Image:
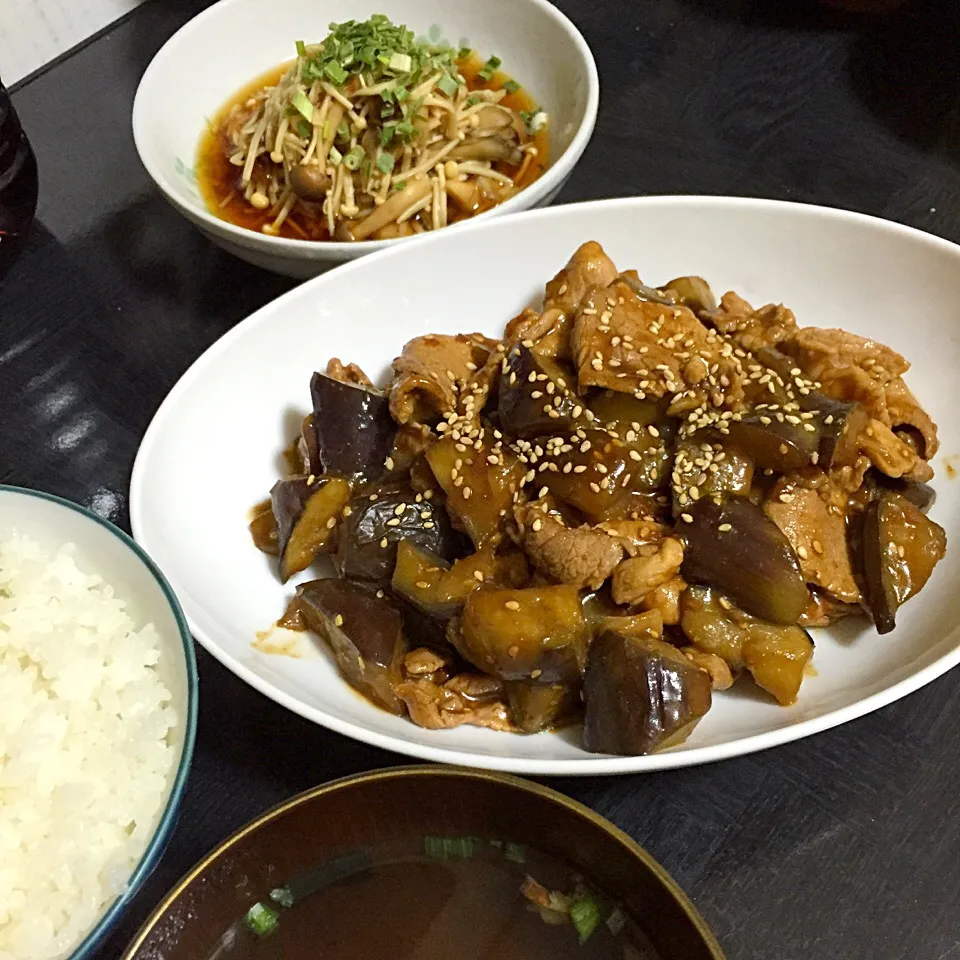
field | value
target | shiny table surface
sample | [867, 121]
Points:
[843, 845]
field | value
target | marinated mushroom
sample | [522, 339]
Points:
[309, 182]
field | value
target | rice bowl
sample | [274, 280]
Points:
[97, 728]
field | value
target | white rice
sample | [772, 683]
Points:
[84, 752]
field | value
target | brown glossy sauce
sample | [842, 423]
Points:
[221, 189]
[414, 907]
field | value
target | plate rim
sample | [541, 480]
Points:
[589, 765]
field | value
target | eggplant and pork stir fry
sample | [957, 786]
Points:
[633, 498]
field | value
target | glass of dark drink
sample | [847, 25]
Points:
[18, 183]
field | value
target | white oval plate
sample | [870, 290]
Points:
[212, 449]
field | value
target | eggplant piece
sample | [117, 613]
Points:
[538, 633]
[839, 423]
[307, 449]
[420, 629]
[921, 495]
[646, 624]
[263, 529]
[621, 412]
[777, 660]
[773, 442]
[734, 546]
[479, 493]
[900, 547]
[711, 623]
[605, 471]
[775, 654]
[353, 427]
[436, 587]
[536, 706]
[643, 292]
[307, 514]
[641, 694]
[535, 396]
[376, 522]
[364, 632]
[714, 468]
[598, 605]
[692, 292]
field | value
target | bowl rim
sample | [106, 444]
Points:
[290, 247]
[506, 780]
[587, 765]
[155, 848]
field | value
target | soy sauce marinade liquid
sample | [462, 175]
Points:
[18, 183]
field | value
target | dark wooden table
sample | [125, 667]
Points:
[842, 846]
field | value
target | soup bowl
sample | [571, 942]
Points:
[374, 809]
[233, 42]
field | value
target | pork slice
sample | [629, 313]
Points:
[816, 527]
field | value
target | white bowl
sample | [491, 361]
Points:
[213, 448]
[224, 48]
[104, 549]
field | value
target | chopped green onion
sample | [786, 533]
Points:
[449, 848]
[335, 72]
[303, 105]
[343, 130]
[462, 847]
[400, 185]
[354, 158]
[301, 49]
[433, 847]
[446, 84]
[283, 896]
[585, 914]
[515, 852]
[262, 920]
[511, 86]
[405, 129]
[335, 156]
[385, 162]
[401, 62]
[472, 101]
[400, 94]
[386, 133]
[529, 118]
[304, 129]
[487, 71]
[464, 52]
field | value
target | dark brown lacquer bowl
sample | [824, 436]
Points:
[338, 818]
